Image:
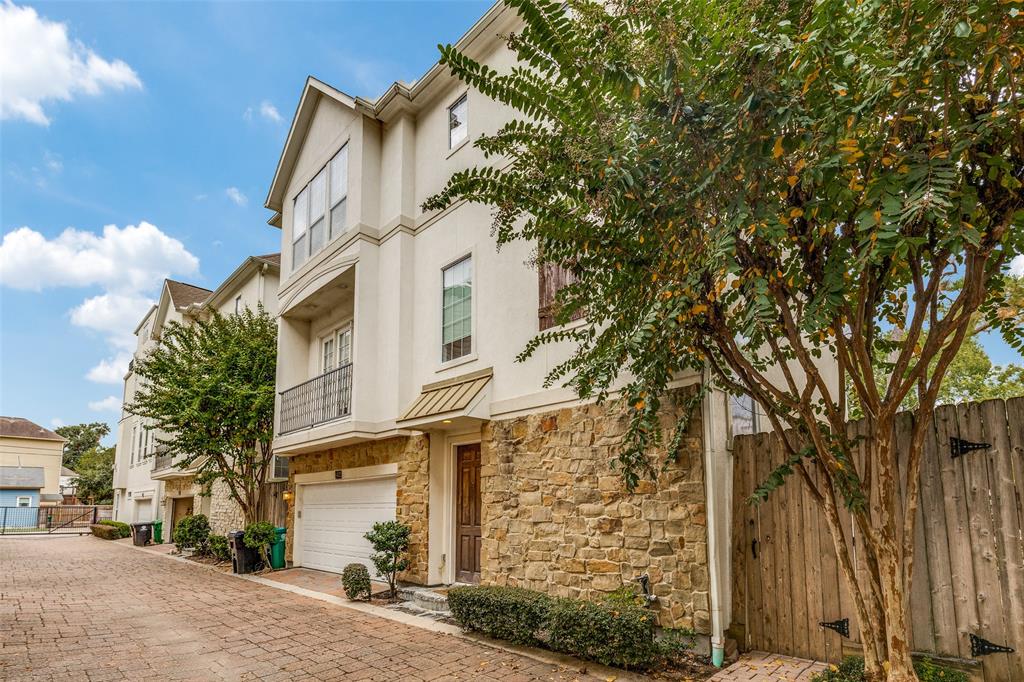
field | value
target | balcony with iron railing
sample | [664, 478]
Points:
[319, 400]
[165, 466]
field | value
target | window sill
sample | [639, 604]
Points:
[464, 360]
[456, 148]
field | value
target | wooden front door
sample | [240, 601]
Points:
[182, 508]
[467, 514]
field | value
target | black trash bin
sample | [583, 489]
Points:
[141, 533]
[243, 559]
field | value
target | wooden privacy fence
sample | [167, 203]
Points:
[969, 562]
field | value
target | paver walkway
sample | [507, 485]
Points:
[758, 666]
[88, 609]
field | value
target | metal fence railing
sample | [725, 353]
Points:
[319, 400]
[61, 519]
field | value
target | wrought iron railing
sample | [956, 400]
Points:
[163, 461]
[319, 400]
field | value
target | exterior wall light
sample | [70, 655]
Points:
[287, 495]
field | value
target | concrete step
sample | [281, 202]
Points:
[424, 598]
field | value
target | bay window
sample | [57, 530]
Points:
[319, 209]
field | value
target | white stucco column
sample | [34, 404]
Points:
[718, 491]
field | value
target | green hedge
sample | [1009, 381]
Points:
[618, 633]
[510, 613]
[611, 635]
[105, 531]
[851, 669]
[123, 529]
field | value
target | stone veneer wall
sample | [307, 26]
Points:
[413, 457]
[224, 514]
[556, 517]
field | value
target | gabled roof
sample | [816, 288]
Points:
[183, 295]
[64, 471]
[242, 273]
[19, 427]
[397, 97]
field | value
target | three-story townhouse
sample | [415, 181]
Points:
[400, 394]
[148, 482]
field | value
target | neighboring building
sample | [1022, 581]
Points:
[30, 464]
[147, 484]
[69, 485]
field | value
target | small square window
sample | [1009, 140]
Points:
[24, 501]
[743, 411]
[458, 125]
[280, 467]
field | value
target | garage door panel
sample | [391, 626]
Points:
[336, 517]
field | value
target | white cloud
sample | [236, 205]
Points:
[128, 264]
[130, 259]
[236, 196]
[1017, 266]
[110, 370]
[108, 404]
[270, 112]
[40, 63]
[57, 422]
[266, 109]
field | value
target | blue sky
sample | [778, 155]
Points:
[169, 118]
[138, 140]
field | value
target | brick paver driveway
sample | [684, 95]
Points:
[87, 609]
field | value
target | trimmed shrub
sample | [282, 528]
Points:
[356, 581]
[851, 669]
[105, 531]
[510, 613]
[219, 548]
[390, 540]
[612, 635]
[123, 529]
[193, 532]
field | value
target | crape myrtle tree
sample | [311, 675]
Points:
[757, 189]
[208, 390]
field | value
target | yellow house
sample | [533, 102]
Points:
[30, 464]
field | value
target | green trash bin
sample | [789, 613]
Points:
[277, 548]
[158, 532]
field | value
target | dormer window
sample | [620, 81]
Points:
[319, 209]
[458, 125]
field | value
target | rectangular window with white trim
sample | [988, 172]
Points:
[24, 502]
[280, 469]
[458, 123]
[336, 348]
[457, 310]
[318, 211]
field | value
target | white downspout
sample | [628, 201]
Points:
[718, 494]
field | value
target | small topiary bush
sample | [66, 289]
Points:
[851, 669]
[510, 613]
[105, 531]
[390, 540]
[621, 635]
[356, 581]
[123, 529]
[193, 532]
[219, 548]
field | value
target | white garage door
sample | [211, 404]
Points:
[143, 510]
[335, 516]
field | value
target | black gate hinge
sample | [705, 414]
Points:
[958, 447]
[983, 647]
[841, 626]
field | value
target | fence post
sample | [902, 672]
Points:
[95, 515]
[3, 528]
